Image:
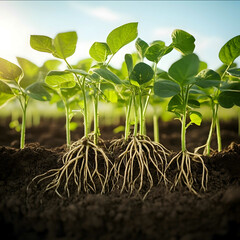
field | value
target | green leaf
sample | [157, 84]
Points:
[10, 71]
[107, 75]
[175, 104]
[59, 79]
[99, 51]
[65, 44]
[141, 47]
[208, 78]
[70, 92]
[234, 72]
[129, 63]
[156, 51]
[183, 41]
[196, 118]
[38, 91]
[84, 64]
[121, 36]
[166, 88]
[141, 73]
[30, 72]
[230, 51]
[50, 65]
[202, 66]
[230, 96]
[184, 70]
[5, 93]
[42, 43]
[111, 95]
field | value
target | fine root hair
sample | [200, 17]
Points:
[86, 168]
[185, 175]
[139, 162]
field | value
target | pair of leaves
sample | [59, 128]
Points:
[116, 39]
[62, 46]
[140, 73]
[181, 41]
[182, 72]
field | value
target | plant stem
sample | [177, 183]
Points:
[68, 134]
[127, 122]
[141, 127]
[96, 118]
[155, 127]
[212, 128]
[136, 116]
[219, 141]
[85, 109]
[23, 126]
[184, 116]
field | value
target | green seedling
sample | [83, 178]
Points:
[23, 85]
[81, 161]
[182, 103]
[139, 158]
[220, 88]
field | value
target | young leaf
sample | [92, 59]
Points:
[38, 91]
[42, 43]
[208, 78]
[230, 96]
[30, 72]
[202, 66]
[166, 88]
[230, 51]
[175, 104]
[183, 41]
[141, 47]
[99, 51]
[121, 36]
[65, 44]
[5, 93]
[129, 63]
[184, 70]
[141, 73]
[234, 72]
[10, 71]
[107, 75]
[84, 64]
[156, 51]
[196, 118]
[59, 79]
[51, 65]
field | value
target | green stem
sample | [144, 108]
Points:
[23, 126]
[127, 122]
[136, 116]
[142, 122]
[68, 134]
[156, 127]
[82, 86]
[96, 118]
[184, 117]
[85, 115]
[219, 141]
[212, 128]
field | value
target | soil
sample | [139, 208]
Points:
[164, 214]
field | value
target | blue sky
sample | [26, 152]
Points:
[212, 23]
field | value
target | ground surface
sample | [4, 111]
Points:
[163, 215]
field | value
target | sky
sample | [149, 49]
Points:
[212, 23]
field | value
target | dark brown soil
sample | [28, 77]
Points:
[164, 215]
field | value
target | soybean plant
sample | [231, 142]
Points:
[182, 103]
[22, 83]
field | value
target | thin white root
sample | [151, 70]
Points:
[184, 174]
[80, 169]
[138, 162]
